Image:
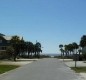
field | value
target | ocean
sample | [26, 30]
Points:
[51, 54]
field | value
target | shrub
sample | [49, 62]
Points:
[9, 52]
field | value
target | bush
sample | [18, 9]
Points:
[3, 55]
[84, 56]
[9, 52]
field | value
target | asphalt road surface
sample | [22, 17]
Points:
[44, 69]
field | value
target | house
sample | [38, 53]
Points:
[4, 42]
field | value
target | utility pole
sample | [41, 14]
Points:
[75, 59]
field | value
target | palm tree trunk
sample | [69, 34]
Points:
[79, 55]
[28, 54]
[35, 54]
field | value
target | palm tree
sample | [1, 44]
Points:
[15, 41]
[66, 50]
[75, 47]
[70, 48]
[30, 48]
[61, 48]
[37, 49]
[79, 50]
[23, 47]
[83, 41]
[83, 45]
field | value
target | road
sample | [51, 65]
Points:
[44, 69]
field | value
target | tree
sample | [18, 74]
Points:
[30, 48]
[75, 47]
[37, 49]
[83, 41]
[61, 48]
[15, 42]
[23, 46]
[15, 39]
[83, 45]
[66, 49]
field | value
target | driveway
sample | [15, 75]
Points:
[44, 69]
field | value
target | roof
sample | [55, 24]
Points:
[10, 37]
[7, 37]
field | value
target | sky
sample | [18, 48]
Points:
[50, 22]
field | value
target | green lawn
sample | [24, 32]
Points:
[5, 68]
[79, 69]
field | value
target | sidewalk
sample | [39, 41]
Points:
[19, 62]
[71, 63]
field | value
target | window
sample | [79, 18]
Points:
[0, 48]
[0, 41]
[3, 48]
[8, 41]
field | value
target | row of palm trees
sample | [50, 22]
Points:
[21, 47]
[68, 49]
[73, 48]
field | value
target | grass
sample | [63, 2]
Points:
[5, 68]
[79, 69]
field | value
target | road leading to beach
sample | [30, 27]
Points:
[44, 69]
